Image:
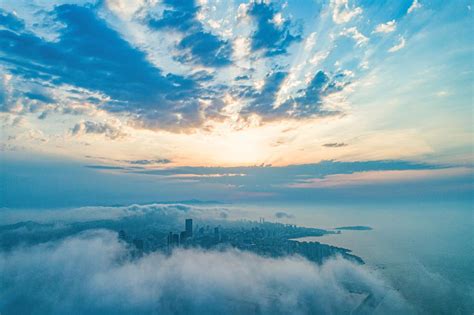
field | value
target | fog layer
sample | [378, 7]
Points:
[92, 272]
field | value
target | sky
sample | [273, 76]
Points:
[122, 101]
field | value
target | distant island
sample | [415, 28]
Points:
[355, 228]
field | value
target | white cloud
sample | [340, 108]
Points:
[126, 9]
[342, 12]
[242, 11]
[310, 41]
[92, 272]
[318, 57]
[415, 5]
[442, 93]
[352, 32]
[364, 64]
[398, 46]
[388, 27]
[241, 47]
[278, 19]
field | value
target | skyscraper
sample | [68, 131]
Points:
[189, 227]
[217, 235]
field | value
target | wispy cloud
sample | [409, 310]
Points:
[415, 5]
[388, 27]
[398, 46]
[343, 12]
[380, 177]
[335, 145]
[354, 33]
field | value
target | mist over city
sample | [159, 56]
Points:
[236, 157]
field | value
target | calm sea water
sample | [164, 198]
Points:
[426, 251]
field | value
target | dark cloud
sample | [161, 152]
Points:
[106, 167]
[10, 21]
[335, 144]
[262, 101]
[268, 37]
[269, 178]
[241, 78]
[94, 59]
[90, 55]
[92, 127]
[133, 162]
[206, 49]
[198, 45]
[40, 97]
[283, 215]
[305, 103]
[148, 162]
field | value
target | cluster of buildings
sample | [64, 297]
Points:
[175, 239]
[263, 238]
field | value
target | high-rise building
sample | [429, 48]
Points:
[189, 227]
[138, 244]
[183, 236]
[217, 235]
[122, 235]
[170, 239]
[175, 240]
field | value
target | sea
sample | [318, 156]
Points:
[423, 250]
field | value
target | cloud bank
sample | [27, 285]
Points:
[93, 273]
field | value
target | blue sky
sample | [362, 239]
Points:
[170, 100]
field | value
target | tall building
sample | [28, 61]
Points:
[170, 239]
[183, 236]
[189, 227]
[217, 235]
[175, 240]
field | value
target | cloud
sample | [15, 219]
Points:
[123, 77]
[398, 46]
[335, 145]
[283, 215]
[306, 102]
[79, 58]
[10, 21]
[273, 34]
[380, 177]
[30, 227]
[92, 127]
[5, 91]
[141, 162]
[357, 36]
[342, 12]
[93, 273]
[197, 45]
[40, 97]
[148, 162]
[415, 5]
[388, 27]
[255, 178]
